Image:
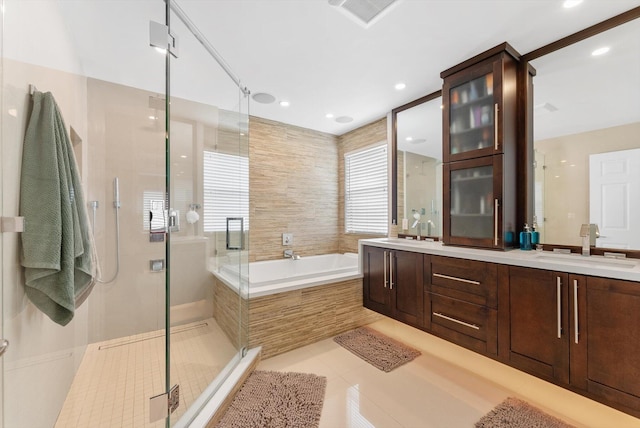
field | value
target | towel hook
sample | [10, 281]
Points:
[32, 89]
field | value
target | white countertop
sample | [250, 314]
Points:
[627, 269]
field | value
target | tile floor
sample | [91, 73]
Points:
[447, 386]
[116, 377]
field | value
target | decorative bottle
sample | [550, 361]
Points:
[535, 235]
[525, 238]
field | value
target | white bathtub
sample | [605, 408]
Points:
[276, 276]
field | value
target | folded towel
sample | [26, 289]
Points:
[58, 253]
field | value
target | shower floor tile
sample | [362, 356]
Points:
[116, 378]
[447, 386]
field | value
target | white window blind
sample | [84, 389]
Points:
[366, 191]
[226, 191]
[153, 202]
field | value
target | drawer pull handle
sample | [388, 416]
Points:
[466, 324]
[467, 281]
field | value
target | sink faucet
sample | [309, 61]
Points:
[589, 233]
[289, 254]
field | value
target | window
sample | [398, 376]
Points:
[226, 190]
[366, 198]
[153, 207]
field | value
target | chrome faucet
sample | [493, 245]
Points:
[589, 233]
[289, 254]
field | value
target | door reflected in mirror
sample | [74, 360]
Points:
[586, 140]
[419, 174]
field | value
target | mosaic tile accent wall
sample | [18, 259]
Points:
[294, 189]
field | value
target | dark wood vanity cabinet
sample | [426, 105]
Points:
[480, 119]
[605, 340]
[579, 332]
[461, 302]
[534, 324]
[574, 330]
[393, 283]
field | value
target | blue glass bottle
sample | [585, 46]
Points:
[535, 235]
[525, 238]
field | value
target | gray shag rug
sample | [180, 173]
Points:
[270, 399]
[515, 413]
[377, 349]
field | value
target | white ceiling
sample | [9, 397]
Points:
[304, 51]
[310, 54]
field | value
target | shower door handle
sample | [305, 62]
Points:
[4, 344]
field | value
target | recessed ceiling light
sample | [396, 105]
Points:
[400, 86]
[344, 119]
[284, 103]
[409, 138]
[183, 156]
[563, 161]
[568, 4]
[328, 115]
[152, 117]
[263, 98]
[600, 51]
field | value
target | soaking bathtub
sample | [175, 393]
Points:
[277, 276]
[291, 303]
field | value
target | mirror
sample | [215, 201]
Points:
[418, 140]
[587, 140]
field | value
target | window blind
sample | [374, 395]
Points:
[226, 191]
[366, 191]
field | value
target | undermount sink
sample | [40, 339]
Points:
[594, 261]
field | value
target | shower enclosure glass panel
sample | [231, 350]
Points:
[208, 189]
[94, 57]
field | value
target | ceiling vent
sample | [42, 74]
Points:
[365, 12]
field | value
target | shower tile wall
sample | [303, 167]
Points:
[41, 351]
[293, 189]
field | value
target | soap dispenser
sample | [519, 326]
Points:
[535, 235]
[525, 238]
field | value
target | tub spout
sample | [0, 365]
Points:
[289, 254]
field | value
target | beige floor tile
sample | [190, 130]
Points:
[447, 386]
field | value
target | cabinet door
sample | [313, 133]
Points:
[473, 204]
[537, 334]
[375, 267]
[407, 287]
[605, 339]
[472, 100]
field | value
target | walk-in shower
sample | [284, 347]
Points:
[150, 324]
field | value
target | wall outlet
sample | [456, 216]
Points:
[287, 239]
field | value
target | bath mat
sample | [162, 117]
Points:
[377, 349]
[515, 413]
[276, 400]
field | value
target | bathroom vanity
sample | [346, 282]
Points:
[568, 319]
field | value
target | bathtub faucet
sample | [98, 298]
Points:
[289, 254]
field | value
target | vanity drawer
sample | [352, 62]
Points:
[468, 325]
[469, 280]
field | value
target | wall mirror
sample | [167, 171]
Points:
[586, 128]
[418, 141]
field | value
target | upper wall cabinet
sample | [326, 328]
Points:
[480, 111]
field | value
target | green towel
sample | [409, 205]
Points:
[57, 247]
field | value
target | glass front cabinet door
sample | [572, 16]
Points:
[476, 204]
[480, 109]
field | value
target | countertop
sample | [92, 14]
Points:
[626, 269]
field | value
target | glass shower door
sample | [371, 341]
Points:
[101, 368]
[209, 199]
